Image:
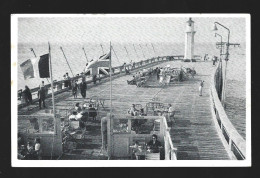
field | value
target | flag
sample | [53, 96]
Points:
[43, 66]
[36, 67]
[27, 69]
[99, 66]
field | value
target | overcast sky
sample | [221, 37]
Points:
[125, 29]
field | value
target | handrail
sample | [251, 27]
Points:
[173, 151]
[236, 143]
[138, 65]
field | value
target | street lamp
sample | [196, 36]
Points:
[216, 34]
[226, 59]
[216, 29]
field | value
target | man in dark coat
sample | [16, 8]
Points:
[41, 96]
[83, 88]
[27, 94]
[158, 73]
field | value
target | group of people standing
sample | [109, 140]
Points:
[83, 113]
[82, 86]
[75, 85]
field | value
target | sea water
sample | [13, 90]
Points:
[125, 52]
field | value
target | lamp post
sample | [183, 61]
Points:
[219, 78]
[216, 34]
[226, 59]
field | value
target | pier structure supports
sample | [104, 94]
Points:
[189, 41]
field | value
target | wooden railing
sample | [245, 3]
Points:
[236, 144]
[170, 150]
[116, 71]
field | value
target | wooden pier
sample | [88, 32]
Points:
[193, 133]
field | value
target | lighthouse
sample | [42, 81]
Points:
[189, 40]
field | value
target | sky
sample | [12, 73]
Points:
[102, 29]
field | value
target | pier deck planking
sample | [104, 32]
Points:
[193, 132]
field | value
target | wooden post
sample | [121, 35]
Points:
[109, 136]
[53, 103]
[110, 73]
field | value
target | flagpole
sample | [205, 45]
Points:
[52, 93]
[110, 115]
[51, 80]
[110, 73]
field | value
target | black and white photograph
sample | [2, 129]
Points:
[130, 90]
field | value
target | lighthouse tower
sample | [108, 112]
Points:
[189, 40]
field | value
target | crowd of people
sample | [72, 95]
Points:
[31, 151]
[75, 85]
[83, 113]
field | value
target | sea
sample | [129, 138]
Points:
[125, 52]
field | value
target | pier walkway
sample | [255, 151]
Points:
[193, 133]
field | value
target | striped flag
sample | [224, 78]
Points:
[36, 67]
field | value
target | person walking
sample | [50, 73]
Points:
[27, 95]
[75, 89]
[214, 60]
[83, 88]
[205, 57]
[68, 81]
[94, 79]
[158, 73]
[200, 87]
